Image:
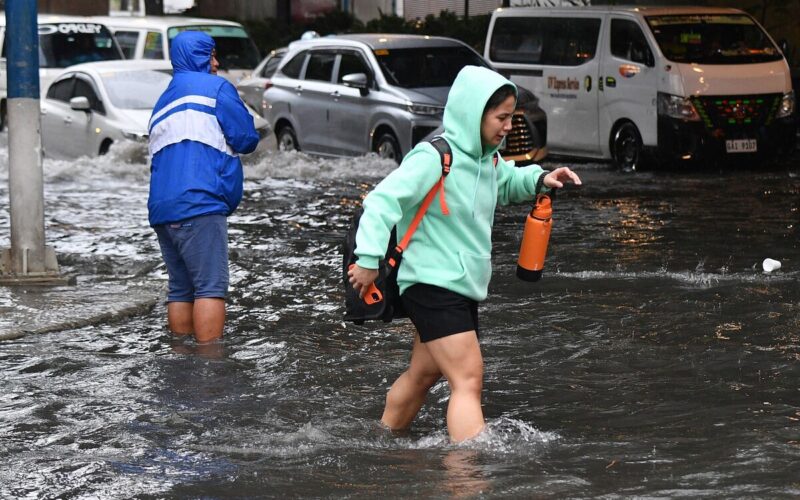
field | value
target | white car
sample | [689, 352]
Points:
[90, 106]
[251, 88]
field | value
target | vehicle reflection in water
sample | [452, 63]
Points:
[654, 358]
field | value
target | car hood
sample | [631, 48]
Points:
[427, 95]
[135, 120]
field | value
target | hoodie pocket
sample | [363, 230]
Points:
[477, 271]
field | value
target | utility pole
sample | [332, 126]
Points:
[28, 261]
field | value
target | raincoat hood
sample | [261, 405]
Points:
[463, 112]
[191, 51]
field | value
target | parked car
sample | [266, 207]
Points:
[63, 41]
[148, 37]
[90, 106]
[348, 95]
[252, 87]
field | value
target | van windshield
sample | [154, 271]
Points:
[65, 44]
[138, 89]
[235, 49]
[712, 39]
[425, 66]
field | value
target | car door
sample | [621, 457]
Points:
[629, 81]
[88, 127]
[350, 108]
[58, 119]
[311, 109]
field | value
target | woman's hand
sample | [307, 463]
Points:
[559, 176]
[361, 278]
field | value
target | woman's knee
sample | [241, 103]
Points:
[469, 380]
[423, 380]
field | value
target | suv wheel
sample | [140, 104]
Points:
[387, 147]
[626, 147]
[287, 139]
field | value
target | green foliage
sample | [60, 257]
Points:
[271, 33]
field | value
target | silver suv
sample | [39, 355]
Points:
[348, 95]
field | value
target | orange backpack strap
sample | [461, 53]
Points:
[446, 156]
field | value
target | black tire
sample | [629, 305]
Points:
[287, 139]
[387, 147]
[105, 146]
[626, 147]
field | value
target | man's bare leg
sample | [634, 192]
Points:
[209, 319]
[179, 318]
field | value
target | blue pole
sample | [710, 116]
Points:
[28, 259]
[22, 49]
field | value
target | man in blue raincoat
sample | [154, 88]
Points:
[198, 127]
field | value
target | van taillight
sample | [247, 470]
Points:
[267, 84]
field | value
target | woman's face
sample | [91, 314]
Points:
[496, 123]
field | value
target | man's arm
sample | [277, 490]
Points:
[237, 124]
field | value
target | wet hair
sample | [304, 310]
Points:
[499, 96]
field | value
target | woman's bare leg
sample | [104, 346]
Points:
[407, 395]
[459, 358]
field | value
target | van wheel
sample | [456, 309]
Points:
[626, 147]
[105, 146]
[287, 139]
[387, 147]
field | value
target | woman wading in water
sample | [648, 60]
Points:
[446, 268]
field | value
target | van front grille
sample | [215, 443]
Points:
[723, 112]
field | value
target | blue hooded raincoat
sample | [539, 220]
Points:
[198, 127]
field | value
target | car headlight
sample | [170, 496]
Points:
[134, 136]
[677, 107]
[786, 107]
[425, 109]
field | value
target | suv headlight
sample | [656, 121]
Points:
[424, 109]
[786, 107]
[677, 107]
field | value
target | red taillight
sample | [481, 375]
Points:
[267, 84]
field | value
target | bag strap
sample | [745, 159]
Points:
[446, 158]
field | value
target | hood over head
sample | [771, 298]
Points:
[463, 112]
[191, 51]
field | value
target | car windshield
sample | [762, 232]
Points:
[65, 44]
[235, 49]
[425, 66]
[139, 89]
[712, 39]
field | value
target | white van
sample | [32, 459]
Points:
[148, 37]
[63, 41]
[683, 83]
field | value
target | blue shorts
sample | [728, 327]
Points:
[196, 253]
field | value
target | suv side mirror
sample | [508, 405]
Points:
[357, 81]
[80, 103]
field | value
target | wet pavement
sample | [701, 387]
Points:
[655, 358]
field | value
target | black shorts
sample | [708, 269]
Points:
[437, 312]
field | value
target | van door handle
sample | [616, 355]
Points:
[67, 119]
[299, 89]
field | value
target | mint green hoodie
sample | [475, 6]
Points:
[451, 251]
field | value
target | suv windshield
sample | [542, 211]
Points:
[425, 66]
[235, 49]
[65, 44]
[138, 89]
[712, 39]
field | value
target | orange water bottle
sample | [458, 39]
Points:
[535, 238]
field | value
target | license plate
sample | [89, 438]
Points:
[741, 146]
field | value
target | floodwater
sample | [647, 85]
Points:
[654, 359]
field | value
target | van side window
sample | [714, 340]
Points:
[127, 42]
[153, 46]
[554, 41]
[628, 42]
[320, 66]
[61, 90]
[292, 68]
[352, 63]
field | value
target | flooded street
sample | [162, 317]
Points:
[655, 358]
